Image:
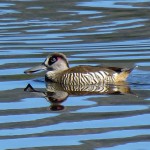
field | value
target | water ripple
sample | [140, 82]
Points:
[113, 4]
[73, 139]
[111, 33]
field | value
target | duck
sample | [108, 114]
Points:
[58, 71]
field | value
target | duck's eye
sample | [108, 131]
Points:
[52, 60]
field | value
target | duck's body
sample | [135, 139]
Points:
[87, 75]
[58, 71]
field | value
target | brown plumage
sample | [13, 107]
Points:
[58, 71]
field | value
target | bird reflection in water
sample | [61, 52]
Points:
[56, 94]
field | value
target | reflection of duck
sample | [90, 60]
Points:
[56, 93]
[58, 71]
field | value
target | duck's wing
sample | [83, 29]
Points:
[116, 69]
[87, 69]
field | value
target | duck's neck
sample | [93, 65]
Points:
[54, 75]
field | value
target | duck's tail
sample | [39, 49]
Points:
[122, 76]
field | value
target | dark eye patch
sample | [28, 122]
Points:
[52, 60]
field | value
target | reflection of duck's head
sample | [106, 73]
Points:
[55, 99]
[58, 71]
[54, 95]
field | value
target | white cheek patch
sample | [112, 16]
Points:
[46, 61]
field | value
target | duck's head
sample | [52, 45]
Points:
[56, 61]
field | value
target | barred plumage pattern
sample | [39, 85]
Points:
[99, 89]
[87, 78]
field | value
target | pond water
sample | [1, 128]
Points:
[91, 32]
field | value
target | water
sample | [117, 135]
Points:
[114, 33]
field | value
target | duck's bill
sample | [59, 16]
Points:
[35, 69]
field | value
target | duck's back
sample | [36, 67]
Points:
[89, 75]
